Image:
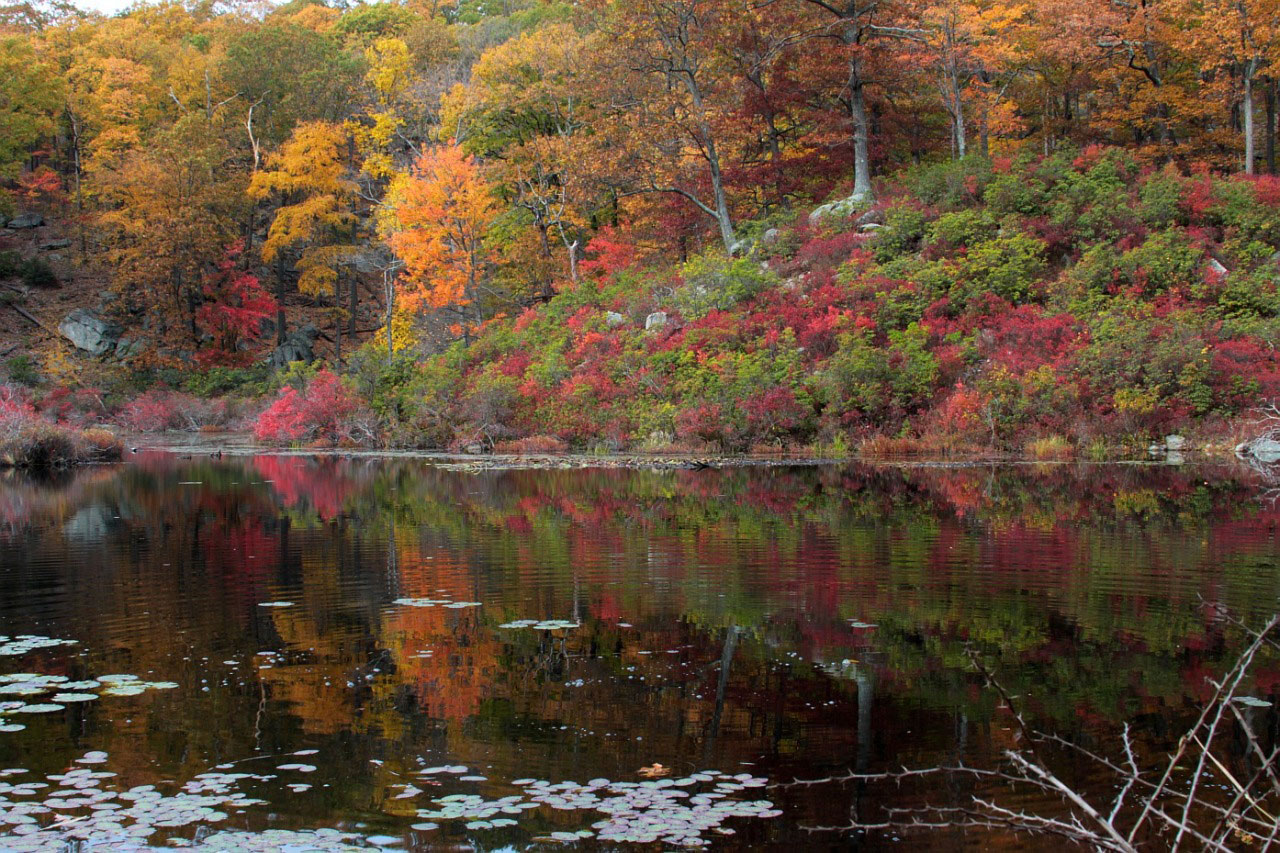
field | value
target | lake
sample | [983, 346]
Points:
[298, 652]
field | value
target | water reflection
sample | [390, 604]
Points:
[775, 622]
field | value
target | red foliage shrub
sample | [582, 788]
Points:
[325, 410]
[609, 253]
[235, 305]
[154, 411]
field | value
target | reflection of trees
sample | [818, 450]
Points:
[734, 569]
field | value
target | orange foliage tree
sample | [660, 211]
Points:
[441, 214]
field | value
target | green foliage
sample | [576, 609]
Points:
[962, 228]
[904, 228]
[951, 183]
[22, 370]
[713, 282]
[1007, 266]
[880, 383]
[1165, 260]
[36, 273]
[1160, 199]
[217, 381]
[10, 264]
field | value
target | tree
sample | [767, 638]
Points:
[172, 206]
[857, 25]
[30, 95]
[523, 109]
[441, 214]
[235, 305]
[1241, 37]
[674, 101]
[309, 177]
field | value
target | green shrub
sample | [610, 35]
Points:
[904, 228]
[962, 228]
[1160, 199]
[22, 369]
[1165, 260]
[36, 273]
[1006, 266]
[10, 264]
[880, 384]
[250, 381]
[716, 283]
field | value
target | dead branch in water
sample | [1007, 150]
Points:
[1167, 801]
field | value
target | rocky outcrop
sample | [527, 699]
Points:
[613, 319]
[656, 320]
[90, 333]
[297, 346]
[25, 220]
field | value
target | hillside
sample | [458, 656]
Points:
[1078, 298]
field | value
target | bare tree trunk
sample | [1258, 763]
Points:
[1270, 134]
[280, 287]
[337, 318]
[861, 133]
[1246, 107]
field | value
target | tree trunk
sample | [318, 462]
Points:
[280, 286]
[861, 133]
[1270, 134]
[353, 302]
[1246, 107]
[337, 318]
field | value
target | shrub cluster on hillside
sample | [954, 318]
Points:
[982, 303]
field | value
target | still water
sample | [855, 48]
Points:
[295, 653]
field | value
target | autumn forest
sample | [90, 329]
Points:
[1042, 227]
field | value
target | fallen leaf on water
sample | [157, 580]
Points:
[654, 770]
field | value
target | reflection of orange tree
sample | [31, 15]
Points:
[455, 678]
[315, 687]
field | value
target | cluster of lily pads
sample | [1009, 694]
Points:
[673, 811]
[541, 624]
[79, 806]
[64, 692]
[433, 602]
[24, 643]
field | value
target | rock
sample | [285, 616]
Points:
[475, 448]
[296, 347]
[656, 320]
[89, 332]
[1265, 450]
[1216, 267]
[127, 348]
[770, 237]
[1174, 443]
[869, 227]
[25, 220]
[875, 216]
[54, 245]
[841, 208]
[613, 319]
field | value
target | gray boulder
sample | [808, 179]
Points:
[613, 319]
[1265, 450]
[656, 320]
[1216, 266]
[89, 332]
[25, 220]
[127, 348]
[297, 346]
[1175, 443]
[54, 245]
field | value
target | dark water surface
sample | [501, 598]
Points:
[761, 624]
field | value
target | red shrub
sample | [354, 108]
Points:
[154, 411]
[324, 410]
